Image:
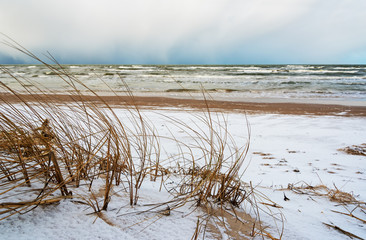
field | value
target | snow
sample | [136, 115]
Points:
[284, 149]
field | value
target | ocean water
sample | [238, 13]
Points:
[291, 82]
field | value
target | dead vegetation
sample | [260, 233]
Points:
[347, 200]
[48, 150]
[333, 194]
[355, 149]
[348, 234]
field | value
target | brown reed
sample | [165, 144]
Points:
[47, 147]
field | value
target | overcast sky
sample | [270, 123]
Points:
[187, 32]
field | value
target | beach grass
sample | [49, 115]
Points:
[49, 150]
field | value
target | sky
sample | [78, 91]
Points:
[186, 32]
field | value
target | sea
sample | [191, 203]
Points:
[340, 84]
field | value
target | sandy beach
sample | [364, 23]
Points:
[296, 150]
[186, 102]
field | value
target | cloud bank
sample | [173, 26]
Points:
[187, 32]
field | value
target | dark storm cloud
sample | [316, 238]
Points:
[172, 31]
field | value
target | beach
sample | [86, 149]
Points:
[253, 106]
[290, 145]
[302, 165]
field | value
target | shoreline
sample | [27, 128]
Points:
[232, 97]
[253, 106]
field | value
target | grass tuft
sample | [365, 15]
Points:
[48, 150]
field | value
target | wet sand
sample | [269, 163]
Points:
[157, 102]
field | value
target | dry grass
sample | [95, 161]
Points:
[333, 194]
[48, 150]
[54, 146]
[355, 149]
[347, 201]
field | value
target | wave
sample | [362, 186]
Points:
[182, 90]
[295, 82]
[253, 80]
[352, 83]
[226, 90]
[321, 92]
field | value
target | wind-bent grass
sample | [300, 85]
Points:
[47, 147]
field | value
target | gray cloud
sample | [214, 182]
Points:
[172, 31]
[8, 59]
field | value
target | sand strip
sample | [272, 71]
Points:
[154, 102]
